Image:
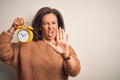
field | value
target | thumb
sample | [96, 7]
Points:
[52, 45]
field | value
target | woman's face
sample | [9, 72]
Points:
[49, 27]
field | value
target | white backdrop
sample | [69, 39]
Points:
[93, 27]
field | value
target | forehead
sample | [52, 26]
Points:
[49, 17]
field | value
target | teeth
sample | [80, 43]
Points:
[49, 31]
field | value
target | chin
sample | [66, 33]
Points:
[51, 38]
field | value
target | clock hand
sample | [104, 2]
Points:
[24, 35]
[21, 34]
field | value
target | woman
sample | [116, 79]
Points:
[48, 56]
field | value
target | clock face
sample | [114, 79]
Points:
[23, 35]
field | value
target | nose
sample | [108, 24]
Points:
[50, 26]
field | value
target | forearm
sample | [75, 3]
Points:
[72, 66]
[6, 50]
[5, 38]
[12, 29]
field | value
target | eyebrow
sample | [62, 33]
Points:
[48, 21]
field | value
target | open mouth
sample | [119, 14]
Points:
[50, 33]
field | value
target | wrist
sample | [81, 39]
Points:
[66, 56]
[11, 30]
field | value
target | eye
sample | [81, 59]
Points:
[53, 22]
[45, 23]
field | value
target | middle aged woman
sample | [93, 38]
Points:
[48, 57]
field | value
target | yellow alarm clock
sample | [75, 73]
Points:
[24, 34]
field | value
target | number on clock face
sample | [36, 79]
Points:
[23, 35]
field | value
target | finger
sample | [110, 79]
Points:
[67, 38]
[60, 33]
[63, 34]
[24, 21]
[57, 36]
[16, 23]
[21, 21]
[52, 45]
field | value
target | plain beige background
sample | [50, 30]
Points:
[93, 27]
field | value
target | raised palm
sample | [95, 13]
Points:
[61, 42]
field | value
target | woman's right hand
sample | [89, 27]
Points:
[17, 22]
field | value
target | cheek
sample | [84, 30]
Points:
[56, 31]
[44, 29]
[56, 27]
